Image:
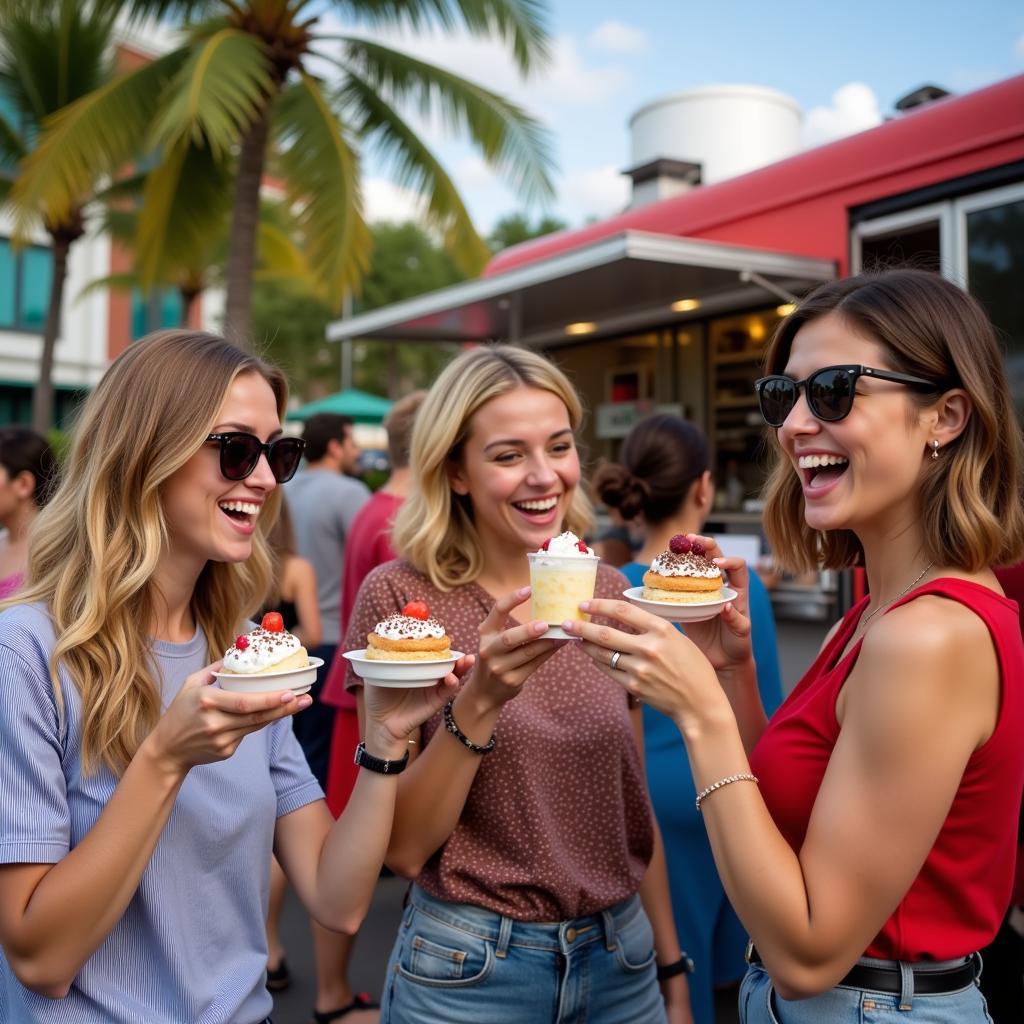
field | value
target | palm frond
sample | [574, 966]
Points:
[12, 149]
[184, 214]
[217, 92]
[322, 175]
[126, 281]
[417, 168]
[88, 140]
[512, 141]
[521, 23]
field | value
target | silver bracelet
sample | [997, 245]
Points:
[744, 777]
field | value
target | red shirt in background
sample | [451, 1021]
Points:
[368, 545]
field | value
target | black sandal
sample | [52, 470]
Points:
[279, 978]
[360, 1001]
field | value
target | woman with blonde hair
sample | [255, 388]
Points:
[139, 803]
[866, 834]
[524, 817]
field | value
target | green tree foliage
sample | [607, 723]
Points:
[51, 54]
[517, 227]
[241, 87]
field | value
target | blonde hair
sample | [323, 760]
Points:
[94, 549]
[434, 528]
[970, 497]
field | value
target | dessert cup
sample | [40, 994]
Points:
[559, 583]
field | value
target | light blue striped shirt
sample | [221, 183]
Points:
[191, 947]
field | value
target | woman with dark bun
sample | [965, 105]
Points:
[867, 833]
[662, 483]
[28, 474]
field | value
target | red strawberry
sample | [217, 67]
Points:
[544, 546]
[241, 642]
[679, 545]
[582, 545]
[698, 549]
[273, 623]
[417, 610]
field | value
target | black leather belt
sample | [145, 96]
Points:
[927, 980]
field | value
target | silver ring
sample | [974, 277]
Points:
[615, 659]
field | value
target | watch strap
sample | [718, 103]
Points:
[380, 765]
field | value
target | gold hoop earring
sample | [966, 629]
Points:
[935, 449]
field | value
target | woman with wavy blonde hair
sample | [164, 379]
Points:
[524, 818]
[140, 803]
[866, 835]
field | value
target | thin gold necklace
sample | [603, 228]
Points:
[864, 622]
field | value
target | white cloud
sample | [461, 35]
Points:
[473, 170]
[854, 108]
[595, 191]
[618, 37]
[385, 201]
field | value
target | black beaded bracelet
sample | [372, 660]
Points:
[449, 724]
[684, 965]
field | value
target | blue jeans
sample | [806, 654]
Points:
[461, 964]
[761, 1004]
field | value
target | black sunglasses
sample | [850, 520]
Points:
[239, 454]
[829, 391]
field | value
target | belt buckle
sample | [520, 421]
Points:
[748, 953]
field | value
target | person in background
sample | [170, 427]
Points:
[324, 498]
[28, 476]
[1002, 981]
[369, 545]
[293, 595]
[867, 833]
[662, 483]
[524, 816]
[139, 803]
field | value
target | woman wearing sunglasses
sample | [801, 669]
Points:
[866, 834]
[138, 803]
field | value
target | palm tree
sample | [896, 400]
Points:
[51, 54]
[241, 84]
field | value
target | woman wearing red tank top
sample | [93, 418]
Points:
[877, 854]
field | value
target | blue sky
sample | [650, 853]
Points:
[845, 64]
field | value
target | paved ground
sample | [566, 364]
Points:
[798, 645]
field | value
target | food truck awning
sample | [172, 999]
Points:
[628, 281]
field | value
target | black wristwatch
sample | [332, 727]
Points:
[381, 765]
[684, 965]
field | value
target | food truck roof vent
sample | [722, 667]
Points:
[661, 178]
[919, 97]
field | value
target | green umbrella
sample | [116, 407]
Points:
[360, 405]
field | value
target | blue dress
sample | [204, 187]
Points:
[708, 927]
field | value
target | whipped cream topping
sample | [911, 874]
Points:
[566, 545]
[668, 563]
[264, 649]
[405, 627]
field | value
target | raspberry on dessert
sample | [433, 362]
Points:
[680, 545]
[241, 642]
[546, 544]
[417, 610]
[582, 545]
[698, 549]
[273, 623]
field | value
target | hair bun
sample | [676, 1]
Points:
[616, 487]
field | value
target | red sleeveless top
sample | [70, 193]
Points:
[956, 903]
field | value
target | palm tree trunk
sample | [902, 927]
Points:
[244, 221]
[42, 399]
[189, 300]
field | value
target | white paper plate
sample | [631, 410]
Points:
[297, 679]
[400, 673]
[557, 633]
[679, 612]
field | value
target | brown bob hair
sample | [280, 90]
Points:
[970, 498]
